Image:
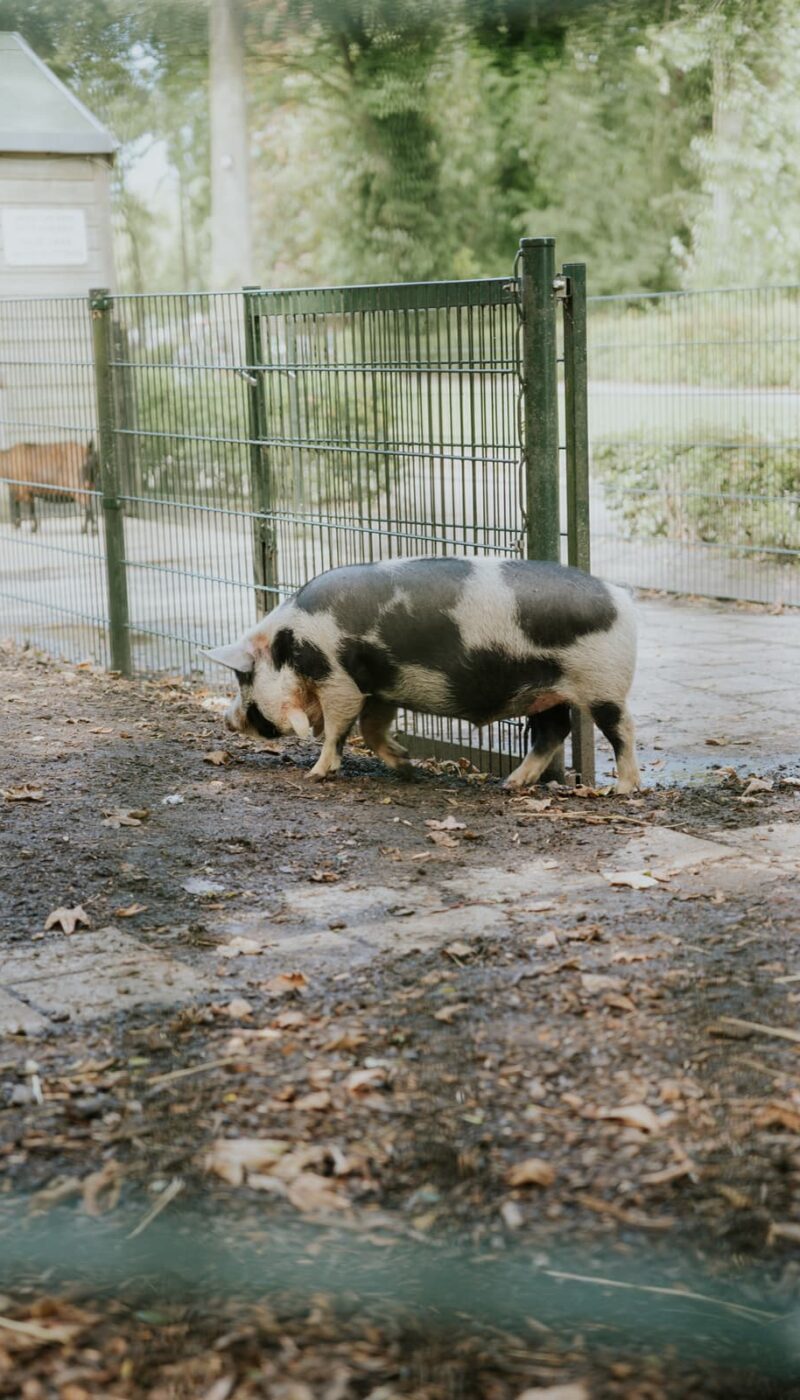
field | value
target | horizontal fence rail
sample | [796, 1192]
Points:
[694, 414]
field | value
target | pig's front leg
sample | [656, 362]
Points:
[341, 705]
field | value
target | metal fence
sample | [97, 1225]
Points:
[247, 441]
[694, 417]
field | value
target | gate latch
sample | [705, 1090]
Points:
[562, 288]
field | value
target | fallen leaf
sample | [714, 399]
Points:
[456, 951]
[101, 1189]
[233, 1158]
[238, 1009]
[324, 877]
[314, 1103]
[130, 911]
[361, 1081]
[238, 947]
[26, 792]
[312, 1194]
[593, 982]
[449, 824]
[632, 1115]
[449, 1013]
[757, 785]
[172, 799]
[441, 838]
[284, 983]
[218, 758]
[631, 879]
[125, 816]
[67, 919]
[784, 1115]
[532, 1172]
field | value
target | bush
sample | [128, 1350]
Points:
[740, 494]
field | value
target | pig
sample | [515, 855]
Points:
[52, 470]
[477, 639]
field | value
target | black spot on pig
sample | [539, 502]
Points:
[263, 726]
[433, 640]
[371, 667]
[556, 605]
[304, 657]
[485, 683]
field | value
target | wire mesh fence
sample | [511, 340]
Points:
[694, 415]
[52, 559]
[250, 441]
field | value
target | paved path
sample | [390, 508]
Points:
[715, 672]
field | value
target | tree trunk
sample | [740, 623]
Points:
[231, 253]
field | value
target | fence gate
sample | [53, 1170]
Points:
[249, 441]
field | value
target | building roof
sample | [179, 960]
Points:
[38, 113]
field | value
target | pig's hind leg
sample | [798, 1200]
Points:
[376, 720]
[616, 723]
[551, 729]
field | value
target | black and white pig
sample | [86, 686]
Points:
[478, 639]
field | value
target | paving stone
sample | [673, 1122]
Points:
[90, 974]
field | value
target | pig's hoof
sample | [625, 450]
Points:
[513, 783]
[318, 775]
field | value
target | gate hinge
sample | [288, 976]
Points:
[562, 288]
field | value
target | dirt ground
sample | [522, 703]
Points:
[367, 1089]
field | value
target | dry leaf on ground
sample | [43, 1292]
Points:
[101, 1189]
[238, 1009]
[631, 879]
[239, 946]
[449, 824]
[593, 982]
[234, 1158]
[67, 919]
[125, 816]
[25, 792]
[129, 911]
[449, 1013]
[441, 838]
[314, 1103]
[362, 1081]
[573, 1390]
[632, 1115]
[532, 1172]
[285, 983]
[314, 1194]
[218, 758]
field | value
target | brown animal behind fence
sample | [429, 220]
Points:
[55, 471]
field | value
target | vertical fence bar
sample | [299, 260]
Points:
[540, 413]
[576, 415]
[540, 397]
[265, 562]
[100, 303]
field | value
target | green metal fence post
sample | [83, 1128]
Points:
[576, 412]
[540, 413]
[100, 303]
[540, 397]
[265, 562]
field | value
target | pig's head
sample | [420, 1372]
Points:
[271, 701]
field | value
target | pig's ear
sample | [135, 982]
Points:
[299, 721]
[236, 657]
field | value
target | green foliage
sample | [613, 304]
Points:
[745, 493]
